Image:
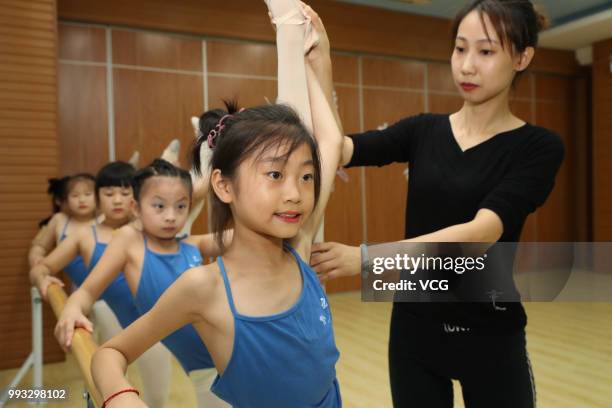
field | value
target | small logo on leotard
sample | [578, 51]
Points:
[196, 261]
[323, 303]
[323, 320]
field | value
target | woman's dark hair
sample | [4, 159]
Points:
[57, 191]
[254, 131]
[163, 168]
[115, 174]
[72, 180]
[517, 23]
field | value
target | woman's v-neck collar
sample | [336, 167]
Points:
[482, 144]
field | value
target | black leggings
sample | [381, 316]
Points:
[494, 370]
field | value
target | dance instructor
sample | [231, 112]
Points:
[475, 176]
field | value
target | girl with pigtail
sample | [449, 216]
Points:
[259, 309]
[115, 309]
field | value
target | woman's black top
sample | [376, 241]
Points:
[510, 174]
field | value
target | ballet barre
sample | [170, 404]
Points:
[83, 346]
[34, 360]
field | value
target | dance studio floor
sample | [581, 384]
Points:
[570, 345]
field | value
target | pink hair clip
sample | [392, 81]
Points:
[214, 133]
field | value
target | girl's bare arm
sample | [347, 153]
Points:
[171, 312]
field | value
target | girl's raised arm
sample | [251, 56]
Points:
[290, 31]
[330, 142]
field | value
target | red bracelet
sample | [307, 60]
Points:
[118, 393]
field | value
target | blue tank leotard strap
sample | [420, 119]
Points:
[159, 271]
[76, 269]
[283, 360]
[117, 295]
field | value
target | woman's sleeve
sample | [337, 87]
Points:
[527, 184]
[393, 144]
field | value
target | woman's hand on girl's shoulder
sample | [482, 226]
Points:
[331, 260]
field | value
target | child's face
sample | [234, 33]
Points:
[164, 206]
[116, 203]
[275, 197]
[81, 199]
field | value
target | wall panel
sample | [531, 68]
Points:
[556, 217]
[602, 142]
[393, 73]
[83, 120]
[152, 108]
[230, 57]
[28, 137]
[386, 187]
[248, 92]
[82, 43]
[156, 50]
[343, 216]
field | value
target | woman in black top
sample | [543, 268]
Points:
[475, 176]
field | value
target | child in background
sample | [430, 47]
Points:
[114, 194]
[76, 195]
[151, 259]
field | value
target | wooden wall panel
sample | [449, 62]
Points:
[248, 92]
[343, 216]
[523, 88]
[393, 73]
[346, 69]
[28, 137]
[231, 58]
[83, 118]
[350, 27]
[440, 78]
[156, 50]
[82, 43]
[386, 187]
[554, 111]
[602, 142]
[151, 109]
[583, 145]
[444, 104]
[522, 109]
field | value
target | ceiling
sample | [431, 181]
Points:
[574, 23]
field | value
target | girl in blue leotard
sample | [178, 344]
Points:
[151, 259]
[114, 194]
[74, 206]
[259, 309]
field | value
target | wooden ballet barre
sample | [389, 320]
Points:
[83, 345]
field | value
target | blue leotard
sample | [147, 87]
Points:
[159, 271]
[76, 269]
[284, 360]
[117, 295]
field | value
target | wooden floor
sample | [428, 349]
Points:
[570, 345]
